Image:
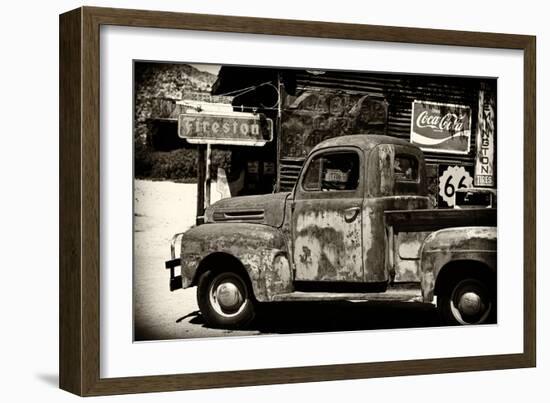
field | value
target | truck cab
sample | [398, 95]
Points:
[357, 225]
[338, 204]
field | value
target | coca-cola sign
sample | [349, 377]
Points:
[438, 127]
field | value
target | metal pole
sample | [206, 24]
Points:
[278, 126]
[207, 176]
[200, 183]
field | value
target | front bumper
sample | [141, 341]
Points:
[175, 280]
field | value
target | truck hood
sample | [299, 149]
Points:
[266, 209]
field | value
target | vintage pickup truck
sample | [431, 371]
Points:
[357, 226]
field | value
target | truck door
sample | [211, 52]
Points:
[327, 217]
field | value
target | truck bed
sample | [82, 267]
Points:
[436, 219]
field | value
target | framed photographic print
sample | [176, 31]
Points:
[238, 194]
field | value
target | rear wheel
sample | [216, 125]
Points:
[225, 299]
[468, 300]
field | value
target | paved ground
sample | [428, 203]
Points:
[164, 208]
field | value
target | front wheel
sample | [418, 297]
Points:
[468, 301]
[225, 299]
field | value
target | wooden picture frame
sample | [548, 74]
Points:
[80, 184]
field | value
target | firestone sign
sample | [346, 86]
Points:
[252, 130]
[443, 128]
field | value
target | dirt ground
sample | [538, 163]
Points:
[164, 208]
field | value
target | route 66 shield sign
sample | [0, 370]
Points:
[452, 178]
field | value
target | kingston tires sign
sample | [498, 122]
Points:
[245, 129]
[443, 128]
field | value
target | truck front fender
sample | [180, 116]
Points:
[473, 246]
[261, 250]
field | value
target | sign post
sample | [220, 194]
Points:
[207, 176]
[201, 175]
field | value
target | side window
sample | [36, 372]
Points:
[312, 177]
[405, 168]
[332, 172]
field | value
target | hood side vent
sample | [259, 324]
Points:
[239, 215]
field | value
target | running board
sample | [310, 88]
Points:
[400, 294]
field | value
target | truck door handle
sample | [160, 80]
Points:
[351, 213]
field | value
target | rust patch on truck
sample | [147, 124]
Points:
[305, 257]
[280, 276]
[386, 155]
[373, 233]
[409, 244]
[327, 247]
[407, 255]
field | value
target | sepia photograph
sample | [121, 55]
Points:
[275, 200]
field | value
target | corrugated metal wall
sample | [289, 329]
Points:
[399, 92]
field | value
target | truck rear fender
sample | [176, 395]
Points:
[453, 251]
[258, 250]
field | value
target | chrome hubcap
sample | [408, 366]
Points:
[228, 296]
[469, 303]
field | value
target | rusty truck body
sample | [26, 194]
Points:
[357, 226]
